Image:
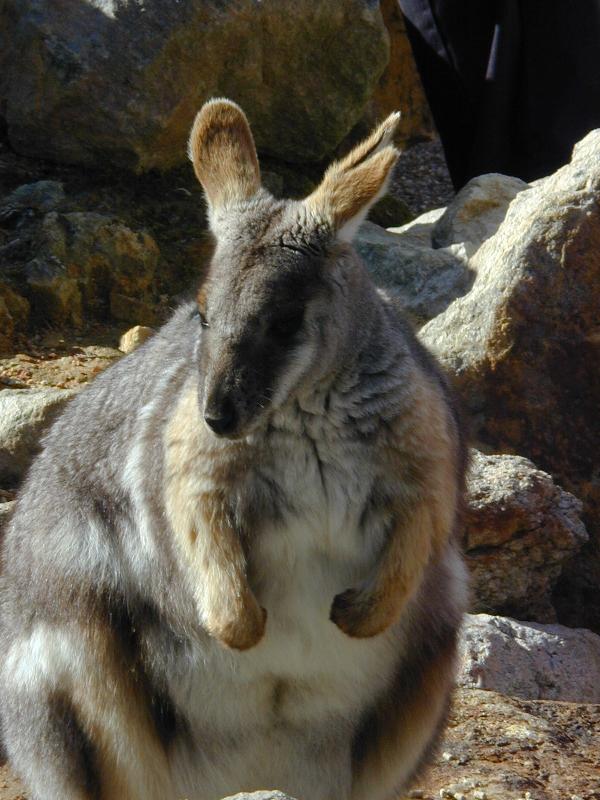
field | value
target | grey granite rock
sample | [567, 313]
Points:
[528, 660]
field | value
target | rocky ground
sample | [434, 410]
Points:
[501, 748]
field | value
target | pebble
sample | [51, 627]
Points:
[134, 337]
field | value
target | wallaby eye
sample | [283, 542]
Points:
[203, 320]
[286, 327]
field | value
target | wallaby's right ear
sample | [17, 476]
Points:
[222, 151]
[351, 186]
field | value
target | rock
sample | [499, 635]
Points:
[524, 345]
[55, 295]
[111, 82]
[390, 211]
[506, 748]
[477, 211]
[24, 416]
[535, 662]
[134, 337]
[5, 512]
[520, 530]
[263, 795]
[6, 327]
[40, 197]
[130, 308]
[90, 263]
[14, 315]
[425, 281]
[419, 231]
[400, 88]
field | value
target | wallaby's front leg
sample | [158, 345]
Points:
[372, 608]
[209, 542]
[419, 469]
[229, 609]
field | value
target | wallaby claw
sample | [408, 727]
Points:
[359, 615]
[245, 631]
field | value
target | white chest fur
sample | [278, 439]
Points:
[305, 669]
[302, 689]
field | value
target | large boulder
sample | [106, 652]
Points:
[400, 88]
[523, 344]
[87, 263]
[37, 198]
[536, 662]
[24, 415]
[424, 281]
[477, 211]
[103, 81]
[520, 531]
[14, 315]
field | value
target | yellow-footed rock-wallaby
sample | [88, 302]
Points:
[233, 565]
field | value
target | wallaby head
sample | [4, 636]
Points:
[277, 301]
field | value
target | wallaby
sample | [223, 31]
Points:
[233, 565]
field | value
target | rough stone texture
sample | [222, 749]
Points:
[88, 262]
[5, 512]
[390, 211]
[535, 662]
[418, 232]
[97, 81]
[24, 416]
[425, 281]
[520, 529]
[134, 337]
[524, 345]
[477, 211]
[400, 88]
[265, 795]
[14, 315]
[39, 197]
[505, 748]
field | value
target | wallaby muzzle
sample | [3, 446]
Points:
[231, 401]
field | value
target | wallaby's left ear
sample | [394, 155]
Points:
[351, 186]
[221, 148]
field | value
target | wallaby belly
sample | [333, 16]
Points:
[291, 703]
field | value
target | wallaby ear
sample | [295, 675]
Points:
[222, 150]
[351, 186]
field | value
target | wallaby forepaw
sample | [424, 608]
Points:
[244, 632]
[359, 615]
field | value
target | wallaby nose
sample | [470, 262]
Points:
[221, 419]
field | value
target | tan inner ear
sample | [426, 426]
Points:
[345, 194]
[379, 138]
[222, 151]
[352, 185]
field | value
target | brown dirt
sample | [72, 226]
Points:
[503, 748]
[497, 748]
[62, 360]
